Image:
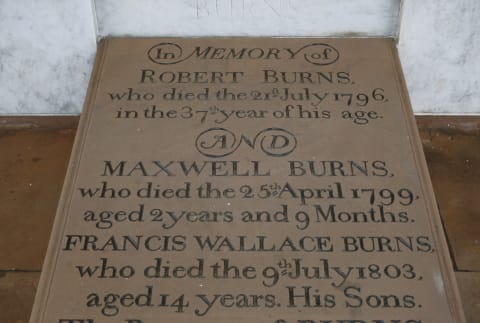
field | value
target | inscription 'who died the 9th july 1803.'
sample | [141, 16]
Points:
[247, 180]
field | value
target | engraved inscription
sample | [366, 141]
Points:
[246, 180]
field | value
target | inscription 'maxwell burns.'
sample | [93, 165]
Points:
[314, 53]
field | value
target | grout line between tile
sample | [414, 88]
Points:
[2, 271]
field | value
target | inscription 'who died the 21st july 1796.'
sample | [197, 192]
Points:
[247, 180]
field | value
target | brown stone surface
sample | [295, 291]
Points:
[17, 290]
[32, 169]
[253, 134]
[452, 149]
[448, 144]
[469, 285]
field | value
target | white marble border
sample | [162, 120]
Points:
[247, 17]
[439, 47]
[46, 53]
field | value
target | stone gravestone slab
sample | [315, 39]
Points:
[247, 180]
